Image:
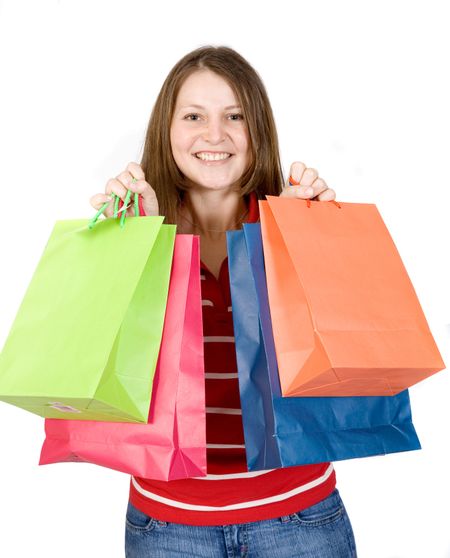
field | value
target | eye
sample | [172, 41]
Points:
[236, 116]
[192, 117]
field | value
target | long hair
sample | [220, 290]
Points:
[264, 175]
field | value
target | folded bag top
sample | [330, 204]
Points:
[346, 319]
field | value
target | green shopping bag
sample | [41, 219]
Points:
[85, 341]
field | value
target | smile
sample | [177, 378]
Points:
[210, 156]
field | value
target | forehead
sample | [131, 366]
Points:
[207, 89]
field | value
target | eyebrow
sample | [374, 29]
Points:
[203, 108]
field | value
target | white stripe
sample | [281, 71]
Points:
[223, 411]
[123, 208]
[203, 277]
[225, 446]
[214, 376]
[207, 303]
[246, 475]
[229, 308]
[219, 339]
[240, 505]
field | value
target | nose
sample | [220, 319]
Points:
[214, 131]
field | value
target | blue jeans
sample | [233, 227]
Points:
[321, 531]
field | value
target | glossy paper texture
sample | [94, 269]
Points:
[173, 443]
[287, 431]
[85, 341]
[346, 319]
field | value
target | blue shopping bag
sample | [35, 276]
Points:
[283, 432]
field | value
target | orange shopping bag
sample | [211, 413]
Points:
[346, 319]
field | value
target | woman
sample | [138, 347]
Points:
[211, 152]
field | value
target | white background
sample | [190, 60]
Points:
[360, 91]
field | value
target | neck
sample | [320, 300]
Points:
[211, 213]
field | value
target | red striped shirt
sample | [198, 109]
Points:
[229, 493]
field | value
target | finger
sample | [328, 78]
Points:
[140, 187]
[319, 185]
[295, 173]
[308, 177]
[149, 198]
[136, 171]
[327, 195]
[133, 183]
[126, 179]
[98, 200]
[144, 189]
[114, 186]
[302, 192]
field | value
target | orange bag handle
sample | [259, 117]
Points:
[293, 182]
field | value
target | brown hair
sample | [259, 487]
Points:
[264, 176]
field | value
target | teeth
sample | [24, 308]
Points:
[213, 156]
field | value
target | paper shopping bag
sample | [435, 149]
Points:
[85, 341]
[173, 443]
[287, 431]
[346, 319]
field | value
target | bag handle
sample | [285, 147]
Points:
[293, 182]
[122, 210]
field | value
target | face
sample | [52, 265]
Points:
[208, 134]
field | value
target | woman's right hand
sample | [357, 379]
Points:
[120, 186]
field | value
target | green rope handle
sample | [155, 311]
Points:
[116, 199]
[124, 208]
[136, 205]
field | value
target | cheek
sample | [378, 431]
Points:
[174, 139]
[244, 142]
[246, 147]
[178, 139]
[180, 143]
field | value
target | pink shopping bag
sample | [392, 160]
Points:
[173, 443]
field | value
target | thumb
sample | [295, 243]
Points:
[149, 200]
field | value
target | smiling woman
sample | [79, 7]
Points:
[211, 145]
[216, 93]
[211, 152]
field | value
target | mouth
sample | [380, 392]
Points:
[212, 155]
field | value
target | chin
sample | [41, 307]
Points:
[200, 182]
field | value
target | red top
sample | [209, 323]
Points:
[229, 493]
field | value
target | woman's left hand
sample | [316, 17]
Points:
[310, 185]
